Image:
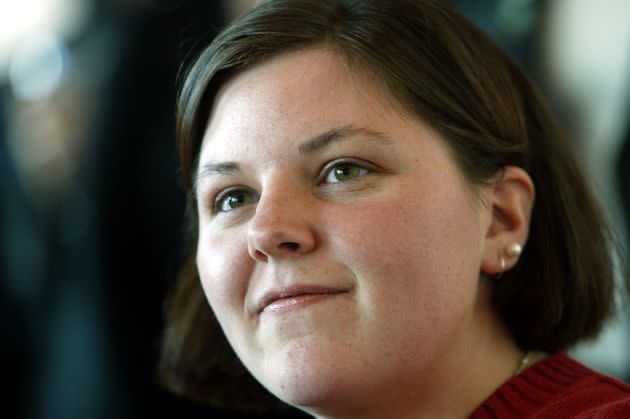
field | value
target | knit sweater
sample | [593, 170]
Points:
[558, 388]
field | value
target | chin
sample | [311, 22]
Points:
[306, 392]
[307, 378]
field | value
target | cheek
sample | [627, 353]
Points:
[412, 255]
[430, 226]
[224, 271]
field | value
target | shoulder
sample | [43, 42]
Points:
[558, 387]
[613, 410]
[592, 394]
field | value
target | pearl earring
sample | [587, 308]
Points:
[514, 250]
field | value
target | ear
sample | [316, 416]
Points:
[510, 199]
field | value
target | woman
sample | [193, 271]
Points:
[385, 223]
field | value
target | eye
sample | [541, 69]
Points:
[345, 172]
[234, 199]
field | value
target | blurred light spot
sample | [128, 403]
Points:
[20, 20]
[20, 17]
[37, 69]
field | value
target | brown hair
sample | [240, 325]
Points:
[439, 66]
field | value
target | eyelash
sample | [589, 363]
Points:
[221, 197]
[364, 169]
[328, 169]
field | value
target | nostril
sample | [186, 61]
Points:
[260, 255]
[292, 246]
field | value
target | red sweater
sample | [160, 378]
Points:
[558, 388]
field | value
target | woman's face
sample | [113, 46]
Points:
[339, 245]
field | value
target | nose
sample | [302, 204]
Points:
[280, 227]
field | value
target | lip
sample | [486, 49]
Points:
[287, 298]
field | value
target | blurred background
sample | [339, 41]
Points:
[91, 207]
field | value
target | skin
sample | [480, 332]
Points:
[384, 217]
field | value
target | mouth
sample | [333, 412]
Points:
[280, 300]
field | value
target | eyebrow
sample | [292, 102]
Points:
[313, 145]
[320, 141]
[218, 168]
[214, 168]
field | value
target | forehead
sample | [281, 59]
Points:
[298, 93]
[288, 73]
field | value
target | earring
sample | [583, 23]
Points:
[514, 250]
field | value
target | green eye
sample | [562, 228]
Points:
[345, 172]
[234, 200]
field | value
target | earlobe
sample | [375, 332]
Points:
[511, 200]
